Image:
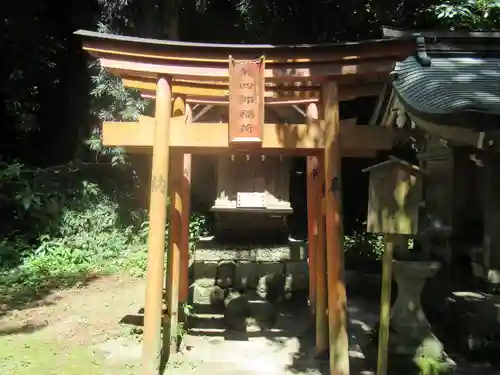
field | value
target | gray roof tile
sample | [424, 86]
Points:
[453, 90]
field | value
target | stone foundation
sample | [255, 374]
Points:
[207, 249]
[270, 280]
[248, 281]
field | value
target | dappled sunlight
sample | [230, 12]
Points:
[365, 327]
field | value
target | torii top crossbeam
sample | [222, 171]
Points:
[292, 73]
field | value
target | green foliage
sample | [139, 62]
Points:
[111, 101]
[362, 245]
[429, 358]
[199, 225]
[71, 221]
[475, 14]
[64, 221]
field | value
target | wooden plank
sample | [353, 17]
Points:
[152, 344]
[246, 100]
[275, 136]
[274, 95]
[301, 72]
[321, 296]
[224, 102]
[148, 86]
[337, 316]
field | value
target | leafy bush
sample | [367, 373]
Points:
[64, 223]
[361, 245]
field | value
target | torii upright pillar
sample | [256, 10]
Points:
[181, 108]
[337, 314]
[152, 345]
[313, 212]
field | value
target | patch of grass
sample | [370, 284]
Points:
[32, 354]
[24, 355]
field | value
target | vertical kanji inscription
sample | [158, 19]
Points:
[246, 100]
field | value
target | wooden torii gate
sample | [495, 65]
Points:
[177, 74]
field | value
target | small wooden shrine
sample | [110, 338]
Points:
[252, 83]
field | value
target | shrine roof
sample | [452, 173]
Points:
[292, 72]
[452, 79]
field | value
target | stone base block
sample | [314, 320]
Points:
[271, 280]
[297, 276]
[205, 273]
[210, 250]
[202, 294]
[246, 275]
[226, 271]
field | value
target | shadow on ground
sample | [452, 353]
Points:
[29, 291]
[24, 329]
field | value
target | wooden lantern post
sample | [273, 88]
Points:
[395, 192]
[152, 347]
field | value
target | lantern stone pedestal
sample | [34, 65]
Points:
[410, 327]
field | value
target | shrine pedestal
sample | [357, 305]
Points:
[410, 327]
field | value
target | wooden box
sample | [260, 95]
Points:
[395, 193]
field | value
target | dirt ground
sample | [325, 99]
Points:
[68, 331]
[85, 331]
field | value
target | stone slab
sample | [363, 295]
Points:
[210, 250]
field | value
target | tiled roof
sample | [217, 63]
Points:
[452, 79]
[461, 91]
